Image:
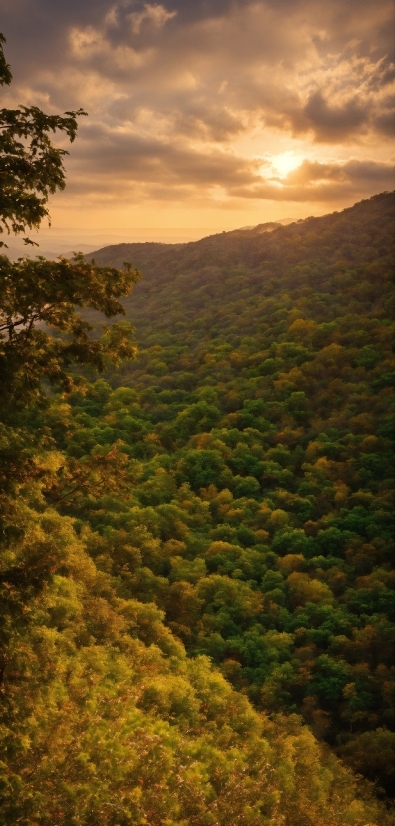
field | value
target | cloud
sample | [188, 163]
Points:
[185, 96]
[127, 161]
[353, 170]
[326, 183]
[140, 168]
[334, 122]
[157, 15]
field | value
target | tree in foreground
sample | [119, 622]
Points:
[42, 333]
[35, 294]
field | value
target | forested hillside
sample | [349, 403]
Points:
[221, 503]
[256, 424]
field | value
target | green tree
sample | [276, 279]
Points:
[41, 332]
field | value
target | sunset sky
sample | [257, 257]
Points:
[207, 115]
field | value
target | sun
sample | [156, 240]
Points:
[285, 163]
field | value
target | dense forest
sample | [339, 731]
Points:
[195, 577]
[257, 426]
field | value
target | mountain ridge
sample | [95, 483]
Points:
[240, 245]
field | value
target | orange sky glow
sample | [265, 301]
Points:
[207, 116]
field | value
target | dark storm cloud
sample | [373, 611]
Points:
[170, 86]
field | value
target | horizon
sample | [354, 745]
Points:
[68, 239]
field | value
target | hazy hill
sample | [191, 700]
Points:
[236, 241]
[190, 283]
[346, 234]
[217, 285]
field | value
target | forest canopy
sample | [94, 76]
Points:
[260, 416]
[194, 574]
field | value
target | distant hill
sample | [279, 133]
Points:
[312, 238]
[189, 283]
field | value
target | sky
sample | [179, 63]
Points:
[207, 115]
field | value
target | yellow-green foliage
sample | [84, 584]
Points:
[106, 720]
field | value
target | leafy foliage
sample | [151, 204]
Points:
[31, 167]
[105, 719]
[34, 293]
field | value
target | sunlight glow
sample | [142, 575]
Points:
[285, 163]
